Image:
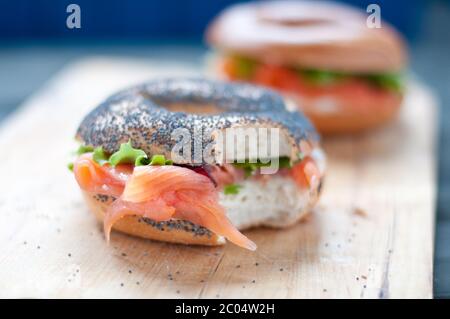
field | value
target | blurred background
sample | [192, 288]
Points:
[35, 43]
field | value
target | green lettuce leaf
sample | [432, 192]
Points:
[231, 189]
[389, 81]
[99, 156]
[84, 149]
[322, 77]
[245, 67]
[127, 155]
[250, 168]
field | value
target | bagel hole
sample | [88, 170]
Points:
[192, 108]
[292, 16]
[294, 22]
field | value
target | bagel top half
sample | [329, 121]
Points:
[149, 114]
[308, 34]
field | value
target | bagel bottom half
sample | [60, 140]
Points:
[274, 202]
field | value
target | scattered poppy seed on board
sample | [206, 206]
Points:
[360, 212]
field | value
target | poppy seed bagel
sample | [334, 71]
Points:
[143, 114]
[344, 68]
[147, 115]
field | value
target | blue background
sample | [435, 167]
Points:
[175, 19]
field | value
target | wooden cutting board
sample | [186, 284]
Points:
[370, 237]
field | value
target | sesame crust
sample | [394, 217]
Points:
[139, 114]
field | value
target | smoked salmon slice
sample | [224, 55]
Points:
[159, 193]
[306, 174]
[191, 195]
[104, 180]
[354, 93]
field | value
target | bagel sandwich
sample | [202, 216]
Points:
[134, 179]
[345, 76]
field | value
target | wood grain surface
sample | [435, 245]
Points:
[371, 236]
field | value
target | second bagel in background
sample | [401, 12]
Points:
[345, 76]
